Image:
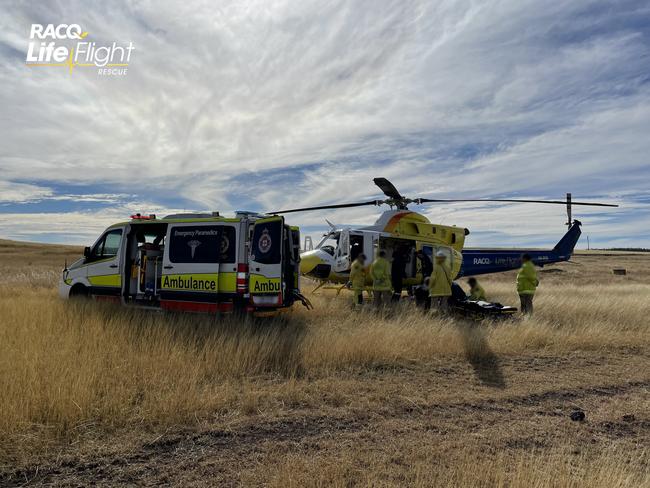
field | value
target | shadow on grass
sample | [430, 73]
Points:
[250, 345]
[486, 364]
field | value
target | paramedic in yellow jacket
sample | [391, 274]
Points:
[380, 274]
[440, 283]
[527, 284]
[357, 282]
[476, 291]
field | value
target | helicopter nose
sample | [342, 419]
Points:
[308, 262]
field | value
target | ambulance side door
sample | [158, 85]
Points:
[104, 263]
[266, 263]
[228, 258]
[190, 271]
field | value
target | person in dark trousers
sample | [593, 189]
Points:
[527, 284]
[425, 263]
[440, 284]
[380, 274]
[421, 294]
[358, 275]
[397, 272]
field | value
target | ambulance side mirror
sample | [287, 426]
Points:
[86, 252]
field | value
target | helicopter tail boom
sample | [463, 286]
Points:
[484, 261]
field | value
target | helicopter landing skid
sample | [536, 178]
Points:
[325, 286]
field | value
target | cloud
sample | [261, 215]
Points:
[21, 192]
[73, 227]
[275, 104]
[95, 197]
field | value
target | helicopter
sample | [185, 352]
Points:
[406, 231]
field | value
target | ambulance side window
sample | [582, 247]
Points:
[107, 247]
[195, 244]
[112, 243]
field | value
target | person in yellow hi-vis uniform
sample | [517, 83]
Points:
[380, 274]
[527, 284]
[440, 283]
[358, 273]
[476, 291]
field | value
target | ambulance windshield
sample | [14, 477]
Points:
[329, 242]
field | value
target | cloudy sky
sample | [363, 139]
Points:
[262, 105]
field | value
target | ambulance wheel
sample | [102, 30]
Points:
[79, 291]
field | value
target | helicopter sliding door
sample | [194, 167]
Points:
[265, 266]
[342, 254]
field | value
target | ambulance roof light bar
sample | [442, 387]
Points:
[139, 216]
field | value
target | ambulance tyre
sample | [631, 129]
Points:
[79, 291]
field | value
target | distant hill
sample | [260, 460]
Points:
[17, 253]
[9, 245]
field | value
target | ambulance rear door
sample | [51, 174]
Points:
[190, 271]
[266, 283]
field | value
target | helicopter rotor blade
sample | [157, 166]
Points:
[325, 207]
[388, 188]
[509, 200]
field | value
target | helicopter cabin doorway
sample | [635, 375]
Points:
[349, 244]
[403, 250]
[356, 246]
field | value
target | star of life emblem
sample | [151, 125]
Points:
[193, 245]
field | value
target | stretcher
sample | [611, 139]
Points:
[479, 309]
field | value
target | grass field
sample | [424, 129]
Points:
[104, 395]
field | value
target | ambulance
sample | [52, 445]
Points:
[192, 262]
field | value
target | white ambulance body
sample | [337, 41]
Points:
[192, 262]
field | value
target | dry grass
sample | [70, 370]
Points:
[399, 399]
[535, 469]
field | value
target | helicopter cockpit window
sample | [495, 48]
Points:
[329, 243]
